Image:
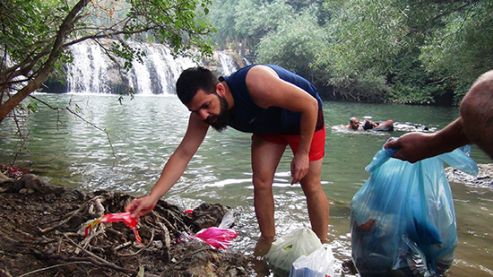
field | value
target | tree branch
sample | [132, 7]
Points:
[34, 84]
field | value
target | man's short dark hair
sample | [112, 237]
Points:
[193, 79]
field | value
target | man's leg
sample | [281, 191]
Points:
[265, 158]
[318, 205]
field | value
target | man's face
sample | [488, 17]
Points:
[212, 108]
[354, 123]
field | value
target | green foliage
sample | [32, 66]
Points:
[423, 50]
[255, 22]
[368, 34]
[367, 50]
[127, 53]
[246, 22]
[180, 20]
[223, 17]
[365, 88]
[32, 106]
[411, 83]
[463, 49]
[26, 26]
[32, 28]
[294, 45]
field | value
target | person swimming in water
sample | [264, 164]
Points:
[356, 125]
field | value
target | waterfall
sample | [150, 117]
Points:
[87, 72]
[91, 71]
[227, 63]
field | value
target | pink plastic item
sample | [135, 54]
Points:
[126, 218]
[218, 238]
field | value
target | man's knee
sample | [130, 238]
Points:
[261, 183]
[311, 186]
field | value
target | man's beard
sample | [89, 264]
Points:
[220, 121]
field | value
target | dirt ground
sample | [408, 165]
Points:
[42, 234]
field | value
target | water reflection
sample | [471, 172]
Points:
[145, 131]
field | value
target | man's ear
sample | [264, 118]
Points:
[220, 89]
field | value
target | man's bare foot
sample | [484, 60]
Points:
[262, 247]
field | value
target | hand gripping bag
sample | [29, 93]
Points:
[403, 218]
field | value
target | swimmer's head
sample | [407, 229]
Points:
[354, 123]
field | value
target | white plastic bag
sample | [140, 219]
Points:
[319, 263]
[290, 247]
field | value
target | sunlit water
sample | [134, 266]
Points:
[145, 131]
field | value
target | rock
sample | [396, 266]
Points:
[207, 215]
[484, 178]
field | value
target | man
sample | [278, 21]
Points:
[474, 125]
[356, 125]
[280, 108]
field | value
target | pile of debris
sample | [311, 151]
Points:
[42, 234]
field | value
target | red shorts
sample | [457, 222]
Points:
[317, 147]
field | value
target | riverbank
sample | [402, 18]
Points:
[42, 234]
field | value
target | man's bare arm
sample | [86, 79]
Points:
[174, 168]
[413, 147]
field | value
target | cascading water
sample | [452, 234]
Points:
[227, 63]
[87, 72]
[93, 72]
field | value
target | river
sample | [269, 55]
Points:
[144, 131]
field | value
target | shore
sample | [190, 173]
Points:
[42, 234]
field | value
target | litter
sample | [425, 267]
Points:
[285, 250]
[126, 217]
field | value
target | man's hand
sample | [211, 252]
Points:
[299, 167]
[412, 147]
[140, 206]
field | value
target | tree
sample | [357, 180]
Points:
[462, 49]
[35, 35]
[295, 45]
[401, 51]
[414, 51]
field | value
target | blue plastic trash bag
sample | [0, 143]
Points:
[403, 218]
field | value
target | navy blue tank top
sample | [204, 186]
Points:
[246, 116]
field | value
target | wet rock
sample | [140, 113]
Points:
[207, 215]
[484, 178]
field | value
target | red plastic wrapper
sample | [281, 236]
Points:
[126, 218]
[218, 238]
